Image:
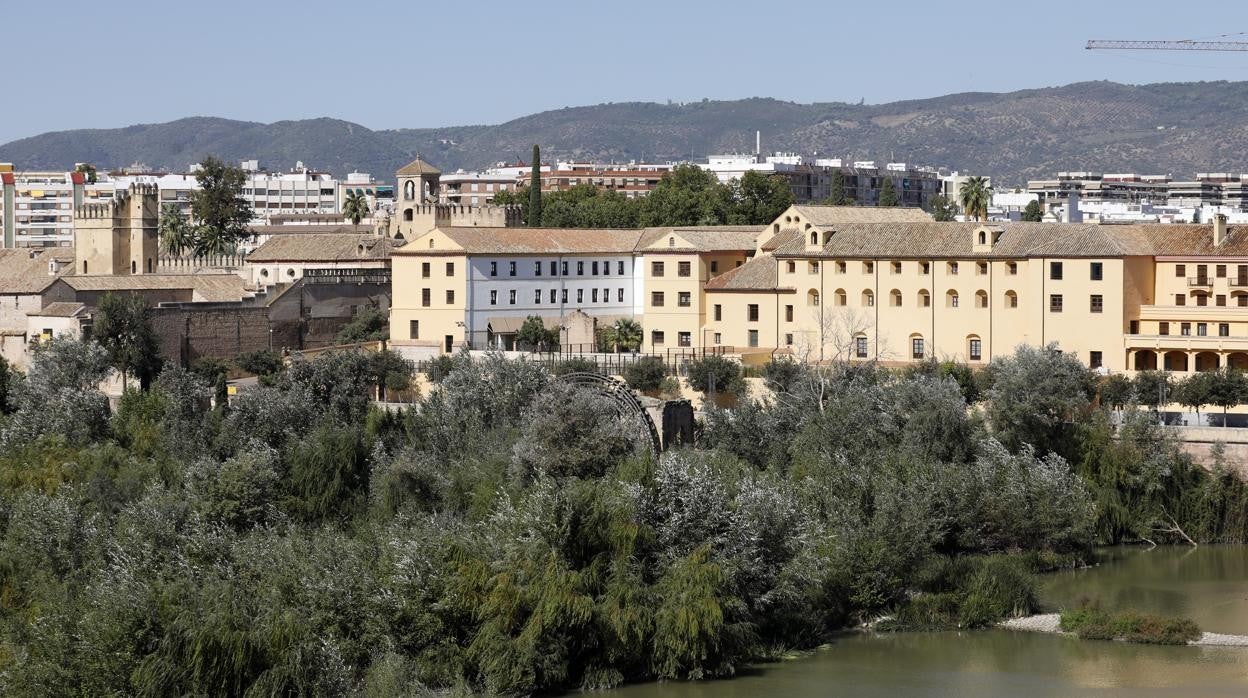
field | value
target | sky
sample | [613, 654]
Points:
[420, 64]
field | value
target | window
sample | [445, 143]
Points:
[981, 299]
[788, 313]
[925, 268]
[1094, 359]
[684, 299]
[1097, 271]
[671, 242]
[1224, 329]
[981, 268]
[1220, 271]
[1163, 328]
[593, 296]
[450, 269]
[606, 268]
[975, 350]
[580, 269]
[813, 267]
[894, 298]
[554, 268]
[719, 312]
[925, 299]
[656, 337]
[656, 299]
[1055, 303]
[751, 312]
[563, 269]
[1011, 268]
[493, 297]
[951, 299]
[580, 295]
[788, 339]
[619, 267]
[1202, 299]
[537, 269]
[413, 329]
[511, 297]
[1133, 327]
[860, 347]
[1219, 300]
[868, 267]
[684, 339]
[717, 338]
[752, 338]
[916, 347]
[563, 296]
[684, 269]
[424, 270]
[1180, 270]
[952, 268]
[715, 266]
[537, 296]
[840, 267]
[511, 268]
[1241, 301]
[792, 266]
[868, 299]
[1055, 271]
[619, 295]
[606, 295]
[450, 298]
[593, 269]
[1097, 303]
[1202, 329]
[1202, 273]
[896, 267]
[1180, 299]
[552, 296]
[656, 269]
[1185, 329]
[426, 296]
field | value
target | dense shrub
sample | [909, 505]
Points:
[1090, 622]
[645, 374]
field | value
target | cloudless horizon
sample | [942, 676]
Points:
[415, 65]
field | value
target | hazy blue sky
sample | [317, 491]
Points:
[390, 64]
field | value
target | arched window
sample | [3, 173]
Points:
[84, 266]
[431, 243]
[409, 190]
[812, 297]
[894, 298]
[868, 298]
[981, 299]
[407, 214]
[983, 238]
[671, 242]
[1011, 299]
[951, 299]
[290, 273]
[974, 348]
[918, 348]
[264, 273]
[842, 298]
[925, 299]
[814, 238]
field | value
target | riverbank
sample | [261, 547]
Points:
[1052, 623]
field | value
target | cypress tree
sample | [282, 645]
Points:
[535, 190]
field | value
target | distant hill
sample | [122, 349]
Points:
[1176, 128]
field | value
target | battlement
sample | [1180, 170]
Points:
[101, 211]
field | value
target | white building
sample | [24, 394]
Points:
[37, 208]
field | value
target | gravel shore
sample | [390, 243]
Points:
[1051, 623]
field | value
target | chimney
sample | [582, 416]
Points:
[1219, 229]
[758, 145]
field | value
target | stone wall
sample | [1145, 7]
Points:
[187, 334]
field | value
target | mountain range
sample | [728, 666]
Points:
[1164, 128]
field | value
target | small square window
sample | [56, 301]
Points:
[792, 267]
[450, 298]
[684, 339]
[450, 269]
[684, 269]
[684, 299]
[1055, 303]
[424, 270]
[1094, 359]
[656, 269]
[656, 299]
[1097, 304]
[656, 337]
[752, 338]
[751, 312]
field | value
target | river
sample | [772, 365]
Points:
[1208, 584]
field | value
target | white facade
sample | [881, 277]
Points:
[38, 207]
[550, 286]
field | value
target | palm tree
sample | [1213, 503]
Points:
[975, 195]
[627, 334]
[355, 207]
[176, 235]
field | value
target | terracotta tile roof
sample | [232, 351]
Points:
[323, 247]
[25, 270]
[759, 274]
[832, 215]
[205, 287]
[956, 240]
[60, 309]
[310, 229]
[546, 241]
[418, 167]
[709, 238]
[781, 239]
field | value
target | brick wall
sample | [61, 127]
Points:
[222, 333]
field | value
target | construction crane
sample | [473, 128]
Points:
[1181, 45]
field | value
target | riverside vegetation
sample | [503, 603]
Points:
[507, 535]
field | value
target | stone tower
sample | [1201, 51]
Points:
[118, 238]
[415, 184]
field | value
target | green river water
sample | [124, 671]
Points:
[1208, 584]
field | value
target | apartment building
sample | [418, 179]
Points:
[37, 208]
[632, 179]
[810, 179]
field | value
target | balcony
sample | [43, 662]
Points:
[1200, 282]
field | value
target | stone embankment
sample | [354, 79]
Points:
[1052, 623]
